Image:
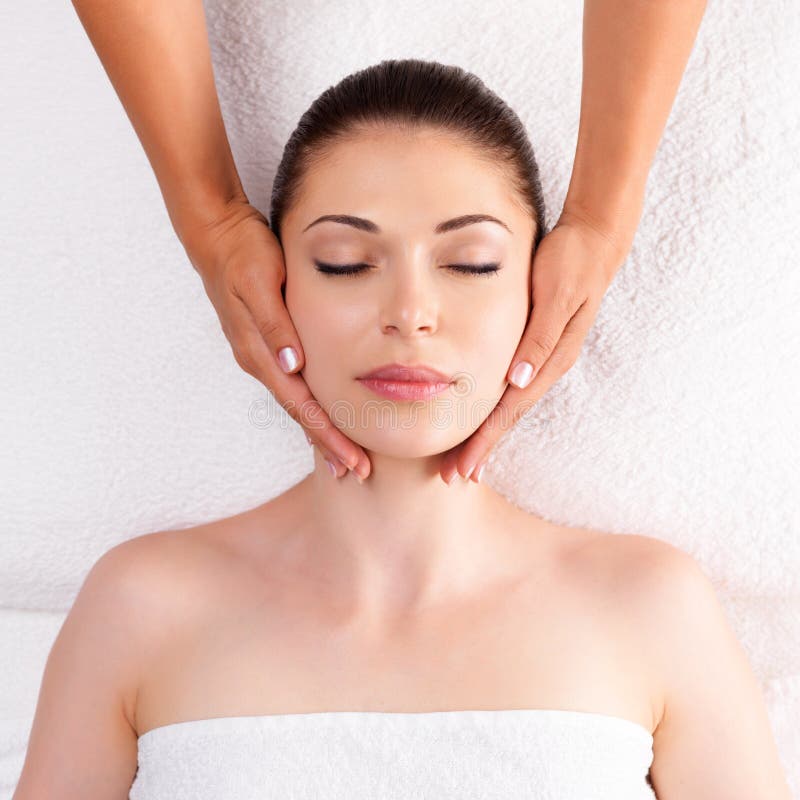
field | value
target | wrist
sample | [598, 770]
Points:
[199, 210]
[616, 225]
[607, 193]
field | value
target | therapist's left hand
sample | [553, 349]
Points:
[573, 267]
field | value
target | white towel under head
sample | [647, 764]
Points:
[353, 755]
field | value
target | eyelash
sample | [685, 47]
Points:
[351, 270]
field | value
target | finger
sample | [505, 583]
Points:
[260, 293]
[516, 402]
[546, 324]
[545, 327]
[291, 391]
[330, 441]
[321, 430]
[337, 467]
[448, 464]
[301, 405]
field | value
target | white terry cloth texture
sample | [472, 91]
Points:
[480, 755]
[124, 412]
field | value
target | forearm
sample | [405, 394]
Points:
[634, 56]
[157, 57]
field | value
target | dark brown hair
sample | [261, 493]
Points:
[412, 94]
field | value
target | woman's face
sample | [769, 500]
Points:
[407, 305]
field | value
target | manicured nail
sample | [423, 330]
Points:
[522, 374]
[362, 477]
[469, 472]
[350, 463]
[288, 358]
[309, 439]
[331, 466]
[480, 472]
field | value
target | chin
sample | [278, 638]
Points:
[414, 429]
[420, 440]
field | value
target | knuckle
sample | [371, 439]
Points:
[566, 296]
[542, 344]
[519, 410]
[291, 409]
[244, 355]
[563, 359]
[268, 328]
[243, 362]
[244, 276]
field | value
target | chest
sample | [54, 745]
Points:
[542, 645]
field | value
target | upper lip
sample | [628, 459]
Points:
[417, 373]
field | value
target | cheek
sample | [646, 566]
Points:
[326, 338]
[496, 331]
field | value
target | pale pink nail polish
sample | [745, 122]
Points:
[521, 375]
[331, 466]
[288, 358]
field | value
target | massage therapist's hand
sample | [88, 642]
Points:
[573, 266]
[241, 263]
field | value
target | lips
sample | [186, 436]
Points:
[420, 373]
[400, 382]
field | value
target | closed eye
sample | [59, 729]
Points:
[355, 269]
[475, 269]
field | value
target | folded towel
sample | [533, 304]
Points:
[528, 753]
[124, 411]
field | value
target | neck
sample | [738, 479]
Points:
[403, 539]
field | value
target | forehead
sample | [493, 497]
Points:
[419, 176]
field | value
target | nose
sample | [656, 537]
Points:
[409, 306]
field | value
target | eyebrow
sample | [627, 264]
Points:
[443, 227]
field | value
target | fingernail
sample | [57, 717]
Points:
[450, 481]
[357, 476]
[331, 466]
[288, 358]
[480, 472]
[350, 463]
[469, 472]
[309, 439]
[521, 375]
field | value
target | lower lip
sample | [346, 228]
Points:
[404, 390]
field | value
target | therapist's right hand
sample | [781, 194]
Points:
[241, 263]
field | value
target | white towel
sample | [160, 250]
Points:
[469, 755]
[123, 410]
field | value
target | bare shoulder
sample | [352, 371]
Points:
[146, 577]
[653, 579]
[142, 570]
[91, 676]
[714, 734]
[180, 574]
[164, 573]
[649, 585]
[640, 576]
[640, 565]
